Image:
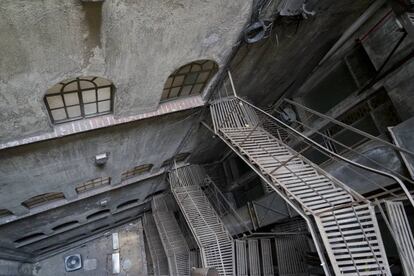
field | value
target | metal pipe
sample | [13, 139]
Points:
[362, 133]
[353, 28]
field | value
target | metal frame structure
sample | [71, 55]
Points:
[318, 193]
[213, 239]
[155, 247]
[173, 241]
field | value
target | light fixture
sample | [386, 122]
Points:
[101, 159]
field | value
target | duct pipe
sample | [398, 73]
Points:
[354, 27]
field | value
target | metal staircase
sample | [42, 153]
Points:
[215, 243]
[156, 250]
[173, 241]
[346, 221]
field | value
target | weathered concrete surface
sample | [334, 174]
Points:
[12, 268]
[136, 45]
[60, 165]
[78, 211]
[132, 255]
[265, 71]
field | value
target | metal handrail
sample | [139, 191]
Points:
[208, 225]
[235, 213]
[362, 133]
[351, 149]
[402, 185]
[283, 195]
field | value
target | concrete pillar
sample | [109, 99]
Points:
[70, 192]
[115, 178]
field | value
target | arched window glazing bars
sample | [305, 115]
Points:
[79, 98]
[189, 80]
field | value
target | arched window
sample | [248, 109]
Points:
[79, 98]
[42, 199]
[188, 80]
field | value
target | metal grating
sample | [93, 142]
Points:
[267, 261]
[173, 241]
[254, 257]
[290, 252]
[241, 257]
[214, 241]
[307, 186]
[158, 257]
[403, 234]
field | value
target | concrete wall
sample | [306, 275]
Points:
[79, 211]
[12, 268]
[135, 44]
[266, 70]
[59, 165]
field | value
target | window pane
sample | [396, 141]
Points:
[208, 65]
[174, 92]
[191, 78]
[165, 94]
[89, 96]
[74, 111]
[203, 77]
[71, 98]
[197, 89]
[58, 114]
[86, 85]
[196, 68]
[101, 82]
[54, 101]
[104, 106]
[168, 82]
[186, 90]
[90, 108]
[178, 81]
[104, 93]
[185, 69]
[73, 86]
[55, 89]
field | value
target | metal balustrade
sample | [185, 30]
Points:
[215, 243]
[155, 247]
[173, 241]
[345, 220]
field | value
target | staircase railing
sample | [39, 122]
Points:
[334, 156]
[319, 122]
[223, 206]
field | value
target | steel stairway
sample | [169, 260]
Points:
[346, 221]
[215, 243]
[155, 247]
[173, 241]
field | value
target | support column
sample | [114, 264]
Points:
[70, 192]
